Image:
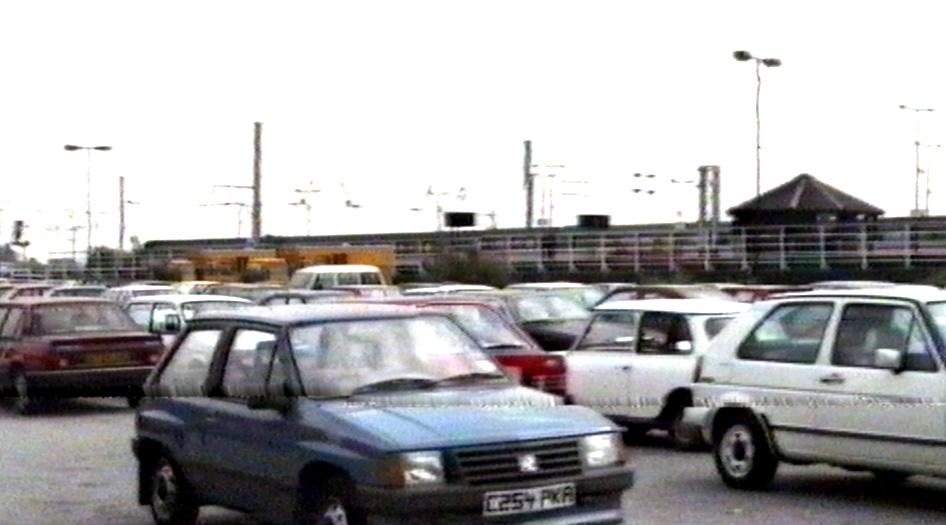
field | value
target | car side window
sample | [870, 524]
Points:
[186, 372]
[615, 331]
[664, 333]
[159, 316]
[248, 363]
[866, 328]
[791, 333]
[12, 323]
[141, 314]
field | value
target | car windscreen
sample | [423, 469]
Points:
[78, 292]
[77, 318]
[344, 358]
[189, 310]
[532, 308]
[485, 325]
[938, 312]
[714, 325]
[153, 291]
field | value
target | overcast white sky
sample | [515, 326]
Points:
[391, 97]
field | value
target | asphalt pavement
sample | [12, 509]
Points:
[72, 464]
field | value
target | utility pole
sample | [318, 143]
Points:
[121, 213]
[257, 159]
[528, 180]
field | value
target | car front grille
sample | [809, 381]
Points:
[504, 463]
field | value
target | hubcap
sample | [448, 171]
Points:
[164, 493]
[22, 391]
[334, 513]
[736, 451]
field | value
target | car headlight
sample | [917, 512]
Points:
[422, 468]
[602, 450]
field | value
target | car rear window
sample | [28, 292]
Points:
[715, 325]
[77, 318]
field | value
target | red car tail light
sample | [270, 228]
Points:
[541, 371]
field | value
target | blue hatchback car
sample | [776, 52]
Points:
[364, 414]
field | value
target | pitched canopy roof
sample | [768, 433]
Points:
[805, 193]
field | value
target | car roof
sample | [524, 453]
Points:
[135, 287]
[915, 292]
[548, 286]
[338, 268]
[309, 313]
[38, 301]
[678, 306]
[187, 298]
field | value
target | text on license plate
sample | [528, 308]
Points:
[516, 501]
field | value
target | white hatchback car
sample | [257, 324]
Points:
[636, 360]
[852, 378]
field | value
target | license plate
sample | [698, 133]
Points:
[115, 358]
[503, 502]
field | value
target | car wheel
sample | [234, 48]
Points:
[170, 499]
[743, 457]
[23, 403]
[891, 477]
[684, 437]
[331, 503]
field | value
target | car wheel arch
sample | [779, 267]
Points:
[148, 451]
[724, 415]
[315, 472]
[678, 399]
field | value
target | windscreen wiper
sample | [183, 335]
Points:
[397, 383]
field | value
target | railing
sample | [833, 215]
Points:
[674, 248]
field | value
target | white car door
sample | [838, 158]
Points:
[665, 359]
[598, 366]
[881, 416]
[778, 370]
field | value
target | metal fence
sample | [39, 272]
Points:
[887, 244]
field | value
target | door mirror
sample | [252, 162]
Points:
[172, 323]
[683, 347]
[888, 359]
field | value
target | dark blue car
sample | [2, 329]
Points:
[364, 414]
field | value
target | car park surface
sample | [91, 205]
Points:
[447, 439]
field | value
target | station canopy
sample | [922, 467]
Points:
[804, 199]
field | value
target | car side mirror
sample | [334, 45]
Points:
[683, 347]
[888, 359]
[172, 323]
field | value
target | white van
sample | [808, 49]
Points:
[331, 275]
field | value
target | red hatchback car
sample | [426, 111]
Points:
[72, 347]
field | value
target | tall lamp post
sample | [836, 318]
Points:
[88, 188]
[916, 143]
[745, 56]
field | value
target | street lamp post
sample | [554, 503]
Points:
[88, 188]
[744, 56]
[916, 144]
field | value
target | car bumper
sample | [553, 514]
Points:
[599, 503]
[89, 382]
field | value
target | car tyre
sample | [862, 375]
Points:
[171, 500]
[743, 456]
[331, 502]
[23, 401]
[684, 437]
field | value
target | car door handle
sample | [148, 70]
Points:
[832, 379]
[627, 368]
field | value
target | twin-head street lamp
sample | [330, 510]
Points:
[745, 56]
[88, 188]
[916, 143]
